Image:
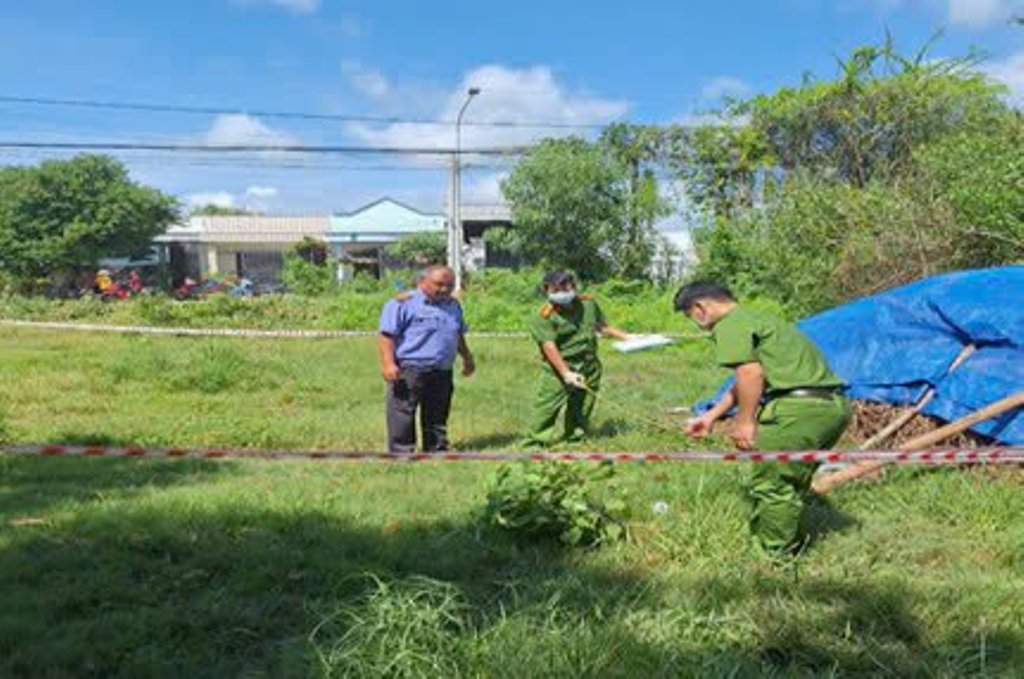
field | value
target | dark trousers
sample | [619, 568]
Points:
[430, 391]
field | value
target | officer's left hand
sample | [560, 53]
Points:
[743, 434]
[468, 365]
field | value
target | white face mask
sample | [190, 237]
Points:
[562, 297]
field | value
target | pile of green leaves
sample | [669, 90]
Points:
[555, 501]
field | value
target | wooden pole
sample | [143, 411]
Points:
[925, 399]
[1007, 404]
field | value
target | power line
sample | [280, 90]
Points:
[252, 148]
[398, 169]
[299, 115]
[269, 159]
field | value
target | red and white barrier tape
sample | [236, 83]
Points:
[1008, 455]
[193, 332]
[244, 332]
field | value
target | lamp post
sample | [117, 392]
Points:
[455, 237]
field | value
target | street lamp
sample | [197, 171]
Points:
[455, 238]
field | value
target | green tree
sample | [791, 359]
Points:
[312, 250]
[719, 163]
[868, 122]
[306, 269]
[863, 124]
[419, 249]
[568, 202]
[65, 215]
[981, 175]
[212, 210]
[637, 149]
[896, 169]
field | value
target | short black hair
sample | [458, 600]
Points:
[691, 293]
[558, 278]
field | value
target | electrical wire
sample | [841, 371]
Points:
[297, 115]
[251, 148]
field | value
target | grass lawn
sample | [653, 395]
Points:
[190, 568]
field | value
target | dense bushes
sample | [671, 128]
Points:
[896, 170]
[495, 300]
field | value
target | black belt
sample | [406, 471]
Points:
[420, 369]
[807, 392]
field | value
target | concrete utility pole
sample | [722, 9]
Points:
[455, 237]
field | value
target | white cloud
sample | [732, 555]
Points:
[981, 13]
[240, 129]
[725, 87]
[365, 80]
[261, 192]
[484, 190]
[350, 26]
[974, 14]
[296, 6]
[218, 198]
[507, 94]
[1010, 72]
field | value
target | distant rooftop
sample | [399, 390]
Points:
[246, 229]
[386, 217]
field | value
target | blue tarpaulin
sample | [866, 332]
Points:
[890, 347]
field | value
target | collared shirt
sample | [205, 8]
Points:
[573, 328]
[789, 360]
[426, 334]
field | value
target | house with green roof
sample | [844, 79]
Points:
[357, 239]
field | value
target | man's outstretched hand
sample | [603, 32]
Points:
[701, 426]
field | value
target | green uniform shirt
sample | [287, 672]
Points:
[789, 360]
[573, 329]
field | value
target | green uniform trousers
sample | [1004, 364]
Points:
[777, 492]
[553, 395]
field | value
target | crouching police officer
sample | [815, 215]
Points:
[566, 331]
[803, 408]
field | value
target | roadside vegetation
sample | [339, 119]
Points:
[335, 569]
[894, 168]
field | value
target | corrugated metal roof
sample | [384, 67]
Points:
[384, 217]
[248, 229]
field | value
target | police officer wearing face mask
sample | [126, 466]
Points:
[566, 331]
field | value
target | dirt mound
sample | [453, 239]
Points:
[869, 418]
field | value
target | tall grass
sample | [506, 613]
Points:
[404, 628]
[495, 300]
[189, 568]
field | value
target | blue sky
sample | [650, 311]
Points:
[570, 63]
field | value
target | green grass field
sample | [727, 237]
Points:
[190, 568]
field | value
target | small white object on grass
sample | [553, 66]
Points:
[677, 410]
[641, 342]
[830, 468]
[660, 507]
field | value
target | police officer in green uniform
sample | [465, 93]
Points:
[566, 331]
[787, 398]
